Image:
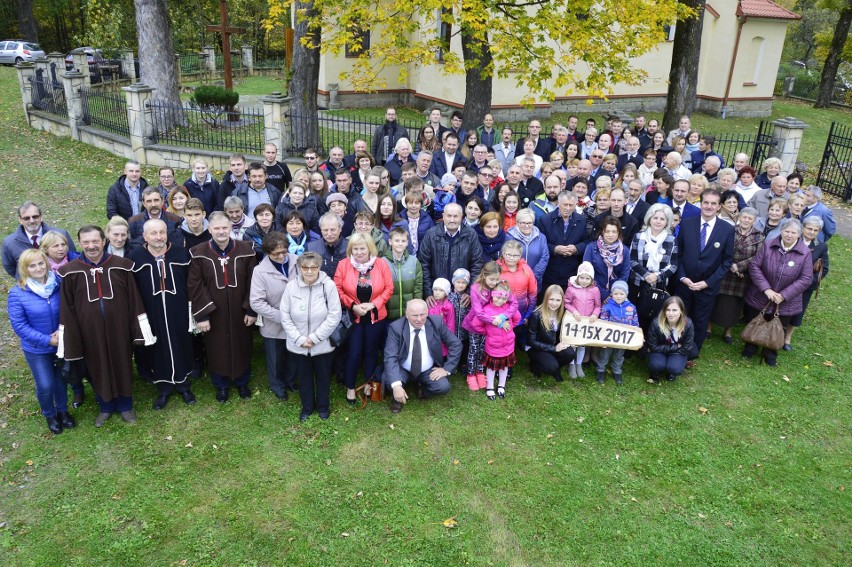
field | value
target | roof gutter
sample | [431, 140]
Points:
[743, 20]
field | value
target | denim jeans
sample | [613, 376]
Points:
[617, 357]
[51, 390]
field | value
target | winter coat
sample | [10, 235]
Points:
[625, 313]
[267, 288]
[459, 313]
[243, 194]
[14, 245]
[118, 200]
[639, 260]
[310, 312]
[211, 193]
[657, 341]
[441, 255]
[492, 248]
[583, 301]
[308, 209]
[541, 336]
[34, 318]
[255, 236]
[385, 138]
[423, 225]
[745, 247]
[444, 309]
[560, 268]
[475, 321]
[602, 279]
[498, 341]
[346, 280]
[523, 284]
[407, 277]
[788, 273]
[534, 250]
[331, 255]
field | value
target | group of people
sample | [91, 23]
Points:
[409, 262]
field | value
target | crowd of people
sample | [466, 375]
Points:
[444, 250]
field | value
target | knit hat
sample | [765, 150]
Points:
[449, 179]
[587, 269]
[620, 284]
[336, 197]
[461, 274]
[442, 284]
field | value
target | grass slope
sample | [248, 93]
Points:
[573, 474]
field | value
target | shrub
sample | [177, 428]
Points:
[212, 96]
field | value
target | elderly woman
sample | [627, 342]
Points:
[534, 249]
[402, 156]
[34, 313]
[491, 236]
[365, 224]
[796, 206]
[746, 185]
[55, 246]
[268, 281]
[609, 256]
[264, 224]
[297, 199]
[235, 210]
[118, 243]
[781, 272]
[297, 233]
[730, 210]
[310, 311]
[811, 228]
[364, 162]
[697, 185]
[771, 225]
[729, 303]
[653, 257]
[365, 285]
[771, 167]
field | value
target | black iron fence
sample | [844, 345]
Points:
[105, 110]
[239, 130]
[271, 63]
[755, 146]
[49, 96]
[324, 131]
[236, 61]
[835, 170]
[190, 63]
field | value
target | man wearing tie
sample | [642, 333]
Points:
[706, 247]
[632, 155]
[680, 190]
[413, 353]
[28, 235]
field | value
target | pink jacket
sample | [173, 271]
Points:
[448, 313]
[523, 284]
[498, 341]
[583, 301]
[475, 321]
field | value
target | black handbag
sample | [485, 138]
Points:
[344, 327]
[651, 300]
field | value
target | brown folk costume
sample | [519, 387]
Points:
[101, 316]
[219, 287]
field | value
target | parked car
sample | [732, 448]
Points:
[93, 55]
[14, 51]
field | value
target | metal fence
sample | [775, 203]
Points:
[809, 90]
[835, 170]
[271, 63]
[105, 110]
[49, 96]
[325, 131]
[756, 146]
[190, 63]
[236, 61]
[241, 130]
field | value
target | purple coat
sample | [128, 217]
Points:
[789, 274]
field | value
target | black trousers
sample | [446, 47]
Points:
[314, 375]
[550, 363]
[750, 313]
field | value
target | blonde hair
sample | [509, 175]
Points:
[50, 238]
[117, 221]
[489, 269]
[27, 257]
[663, 321]
[358, 238]
[544, 308]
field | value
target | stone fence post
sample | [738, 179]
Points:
[276, 124]
[787, 135]
[73, 81]
[43, 68]
[128, 64]
[140, 117]
[81, 64]
[26, 74]
[209, 54]
[248, 60]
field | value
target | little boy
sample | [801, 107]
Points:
[407, 274]
[616, 309]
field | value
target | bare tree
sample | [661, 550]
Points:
[27, 26]
[157, 57]
[832, 61]
[683, 76]
[303, 85]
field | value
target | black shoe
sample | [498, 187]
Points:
[351, 401]
[501, 392]
[66, 420]
[324, 414]
[490, 395]
[244, 391]
[282, 395]
[671, 377]
[222, 395]
[79, 398]
[787, 347]
[599, 377]
[304, 416]
[421, 395]
[654, 378]
[618, 379]
[161, 401]
[728, 340]
[290, 388]
[395, 406]
[558, 377]
[54, 424]
[188, 397]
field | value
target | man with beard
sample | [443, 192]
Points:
[386, 136]
[547, 202]
[161, 270]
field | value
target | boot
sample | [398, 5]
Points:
[572, 371]
[654, 378]
[618, 380]
[599, 377]
[472, 383]
[54, 424]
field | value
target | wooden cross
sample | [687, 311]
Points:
[226, 32]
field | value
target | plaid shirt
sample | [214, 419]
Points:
[639, 259]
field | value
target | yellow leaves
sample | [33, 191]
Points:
[456, 462]
[827, 363]
[450, 523]
[29, 462]
[702, 410]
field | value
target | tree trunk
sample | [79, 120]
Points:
[27, 26]
[478, 88]
[683, 77]
[157, 59]
[832, 61]
[305, 80]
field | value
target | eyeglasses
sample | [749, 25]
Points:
[511, 255]
[278, 253]
[525, 223]
[33, 217]
[309, 268]
[310, 157]
[487, 174]
[167, 176]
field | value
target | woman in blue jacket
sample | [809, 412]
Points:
[34, 314]
[609, 256]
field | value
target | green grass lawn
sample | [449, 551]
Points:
[735, 463]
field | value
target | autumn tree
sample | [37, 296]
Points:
[550, 48]
[832, 60]
[683, 75]
[157, 54]
[27, 28]
[305, 75]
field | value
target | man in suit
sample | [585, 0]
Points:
[629, 225]
[816, 208]
[706, 248]
[565, 232]
[680, 190]
[632, 155]
[413, 353]
[505, 150]
[444, 161]
[635, 205]
[543, 145]
[529, 186]
[28, 235]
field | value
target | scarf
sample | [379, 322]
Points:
[43, 290]
[297, 248]
[491, 246]
[653, 249]
[612, 254]
[516, 233]
[364, 268]
[237, 226]
[54, 266]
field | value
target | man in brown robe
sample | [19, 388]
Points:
[219, 284]
[100, 318]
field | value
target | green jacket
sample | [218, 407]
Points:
[407, 283]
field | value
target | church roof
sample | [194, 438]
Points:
[765, 9]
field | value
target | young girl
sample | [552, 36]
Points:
[582, 299]
[670, 341]
[476, 322]
[548, 354]
[511, 205]
[443, 306]
[617, 309]
[461, 281]
[499, 339]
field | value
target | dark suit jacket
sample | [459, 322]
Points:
[713, 263]
[639, 212]
[439, 163]
[688, 210]
[398, 345]
[622, 161]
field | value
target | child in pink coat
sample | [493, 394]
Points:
[582, 299]
[499, 338]
[443, 306]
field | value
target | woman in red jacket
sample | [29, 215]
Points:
[365, 284]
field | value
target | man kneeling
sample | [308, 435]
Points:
[413, 352]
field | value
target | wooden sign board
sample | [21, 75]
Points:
[600, 333]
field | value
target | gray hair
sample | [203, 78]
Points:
[713, 159]
[217, 216]
[815, 189]
[309, 257]
[525, 213]
[331, 217]
[27, 205]
[770, 161]
[233, 202]
[675, 156]
[480, 148]
[750, 211]
[814, 220]
[786, 223]
[658, 208]
[567, 196]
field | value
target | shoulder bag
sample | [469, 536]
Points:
[767, 334]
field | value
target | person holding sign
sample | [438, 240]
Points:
[582, 299]
[671, 340]
[548, 354]
[617, 309]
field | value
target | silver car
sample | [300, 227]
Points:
[16, 51]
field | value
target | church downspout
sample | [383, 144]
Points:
[733, 64]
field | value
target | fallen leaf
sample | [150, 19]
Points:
[702, 516]
[785, 378]
[29, 463]
[827, 363]
[581, 440]
[345, 419]
[188, 445]
[168, 437]
[490, 461]
[391, 426]
[550, 435]
[634, 499]
[617, 456]
[703, 410]
[328, 461]
[783, 437]
[215, 446]
[580, 419]
[455, 461]
[345, 534]
[450, 522]
[426, 443]
[116, 497]
[729, 524]
[359, 494]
